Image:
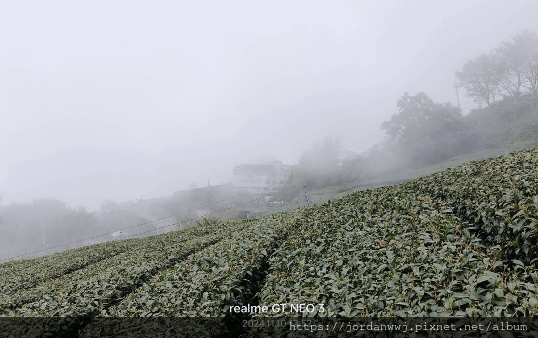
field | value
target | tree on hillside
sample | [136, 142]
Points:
[527, 43]
[425, 131]
[46, 223]
[481, 78]
[322, 154]
[512, 56]
[109, 206]
[319, 166]
[510, 70]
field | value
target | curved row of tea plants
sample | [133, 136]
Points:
[90, 290]
[93, 288]
[498, 197]
[390, 252]
[28, 273]
[208, 280]
[205, 284]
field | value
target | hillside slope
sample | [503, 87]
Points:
[460, 242]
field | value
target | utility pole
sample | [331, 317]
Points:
[457, 94]
[307, 201]
[43, 236]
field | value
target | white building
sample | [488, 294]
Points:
[261, 178]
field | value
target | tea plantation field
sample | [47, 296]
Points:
[460, 242]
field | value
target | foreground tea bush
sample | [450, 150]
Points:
[498, 197]
[389, 252]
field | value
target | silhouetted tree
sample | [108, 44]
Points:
[506, 71]
[512, 55]
[320, 162]
[425, 131]
[525, 46]
[481, 78]
[321, 154]
[43, 224]
[109, 206]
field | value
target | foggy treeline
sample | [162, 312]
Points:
[508, 71]
[46, 225]
[506, 80]
[424, 132]
[222, 202]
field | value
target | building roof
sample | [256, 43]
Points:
[253, 169]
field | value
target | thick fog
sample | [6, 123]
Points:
[114, 100]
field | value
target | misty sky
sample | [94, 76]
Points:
[118, 99]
